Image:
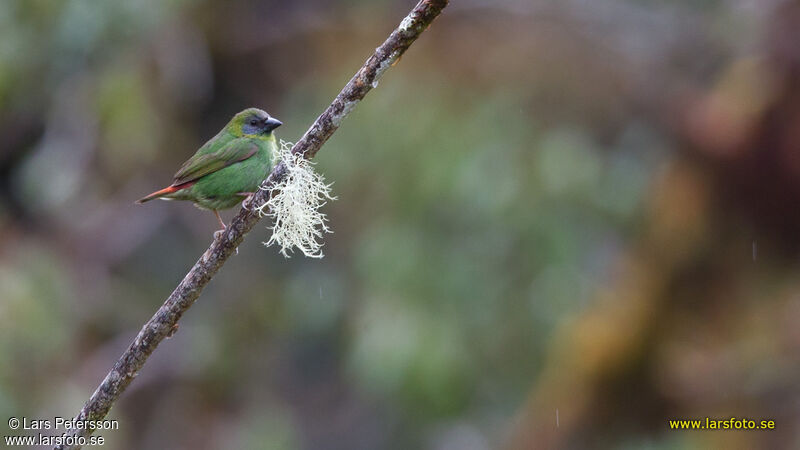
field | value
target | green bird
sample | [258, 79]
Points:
[229, 167]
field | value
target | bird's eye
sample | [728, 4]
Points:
[253, 122]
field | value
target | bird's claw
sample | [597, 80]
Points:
[247, 200]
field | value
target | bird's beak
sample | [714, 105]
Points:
[271, 124]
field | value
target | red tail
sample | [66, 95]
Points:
[163, 192]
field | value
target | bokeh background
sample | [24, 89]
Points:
[560, 224]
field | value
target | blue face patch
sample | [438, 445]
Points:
[251, 129]
[257, 125]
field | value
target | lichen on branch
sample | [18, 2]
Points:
[294, 206]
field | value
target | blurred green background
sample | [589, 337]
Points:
[560, 223]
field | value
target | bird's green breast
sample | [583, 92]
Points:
[223, 189]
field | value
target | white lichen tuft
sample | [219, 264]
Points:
[294, 206]
[407, 23]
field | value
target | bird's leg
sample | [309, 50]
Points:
[221, 223]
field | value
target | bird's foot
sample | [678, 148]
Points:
[247, 200]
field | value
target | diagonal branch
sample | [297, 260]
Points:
[165, 320]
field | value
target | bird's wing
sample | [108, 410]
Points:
[201, 165]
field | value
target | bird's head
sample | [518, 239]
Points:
[253, 121]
